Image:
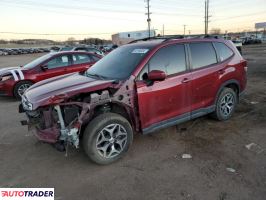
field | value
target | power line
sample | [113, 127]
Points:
[67, 13]
[24, 33]
[176, 14]
[72, 7]
[84, 8]
[238, 16]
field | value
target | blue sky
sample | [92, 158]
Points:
[101, 18]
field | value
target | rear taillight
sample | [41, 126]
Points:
[244, 64]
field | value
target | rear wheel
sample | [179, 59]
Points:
[107, 138]
[20, 88]
[225, 105]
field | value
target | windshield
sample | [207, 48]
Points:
[120, 63]
[37, 61]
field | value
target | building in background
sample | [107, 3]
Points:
[261, 26]
[126, 37]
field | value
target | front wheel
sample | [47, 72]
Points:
[20, 88]
[225, 105]
[107, 138]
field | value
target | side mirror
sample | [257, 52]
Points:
[156, 75]
[44, 67]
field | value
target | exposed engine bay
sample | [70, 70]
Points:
[63, 122]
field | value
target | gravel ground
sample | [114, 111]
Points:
[221, 166]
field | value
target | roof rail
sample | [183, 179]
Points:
[212, 36]
[208, 36]
[144, 39]
[165, 38]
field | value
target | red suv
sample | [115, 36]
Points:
[15, 80]
[140, 87]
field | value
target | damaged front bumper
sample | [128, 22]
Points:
[58, 123]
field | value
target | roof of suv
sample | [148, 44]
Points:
[153, 42]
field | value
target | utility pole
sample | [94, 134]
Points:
[206, 17]
[149, 18]
[163, 30]
[184, 29]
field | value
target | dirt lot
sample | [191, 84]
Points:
[153, 168]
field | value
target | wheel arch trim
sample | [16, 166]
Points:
[224, 84]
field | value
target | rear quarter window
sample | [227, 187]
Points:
[223, 51]
[202, 54]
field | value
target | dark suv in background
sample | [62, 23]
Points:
[140, 87]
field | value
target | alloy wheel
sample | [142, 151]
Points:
[227, 104]
[23, 88]
[111, 140]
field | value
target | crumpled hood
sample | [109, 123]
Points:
[17, 72]
[40, 94]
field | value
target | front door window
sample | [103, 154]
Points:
[60, 61]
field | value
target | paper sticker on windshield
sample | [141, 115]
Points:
[141, 51]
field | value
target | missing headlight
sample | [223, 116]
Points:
[70, 114]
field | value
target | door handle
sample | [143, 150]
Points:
[185, 80]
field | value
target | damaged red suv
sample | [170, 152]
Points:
[140, 87]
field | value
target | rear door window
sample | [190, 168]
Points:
[202, 54]
[223, 51]
[81, 58]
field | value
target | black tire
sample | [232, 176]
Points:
[95, 130]
[220, 109]
[18, 86]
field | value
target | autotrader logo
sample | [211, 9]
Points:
[27, 193]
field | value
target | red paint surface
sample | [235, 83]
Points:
[176, 95]
[37, 74]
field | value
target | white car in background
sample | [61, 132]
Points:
[2, 53]
[237, 42]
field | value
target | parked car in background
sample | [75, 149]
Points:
[3, 53]
[250, 40]
[15, 80]
[46, 50]
[19, 51]
[82, 48]
[54, 48]
[8, 51]
[238, 44]
[139, 87]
